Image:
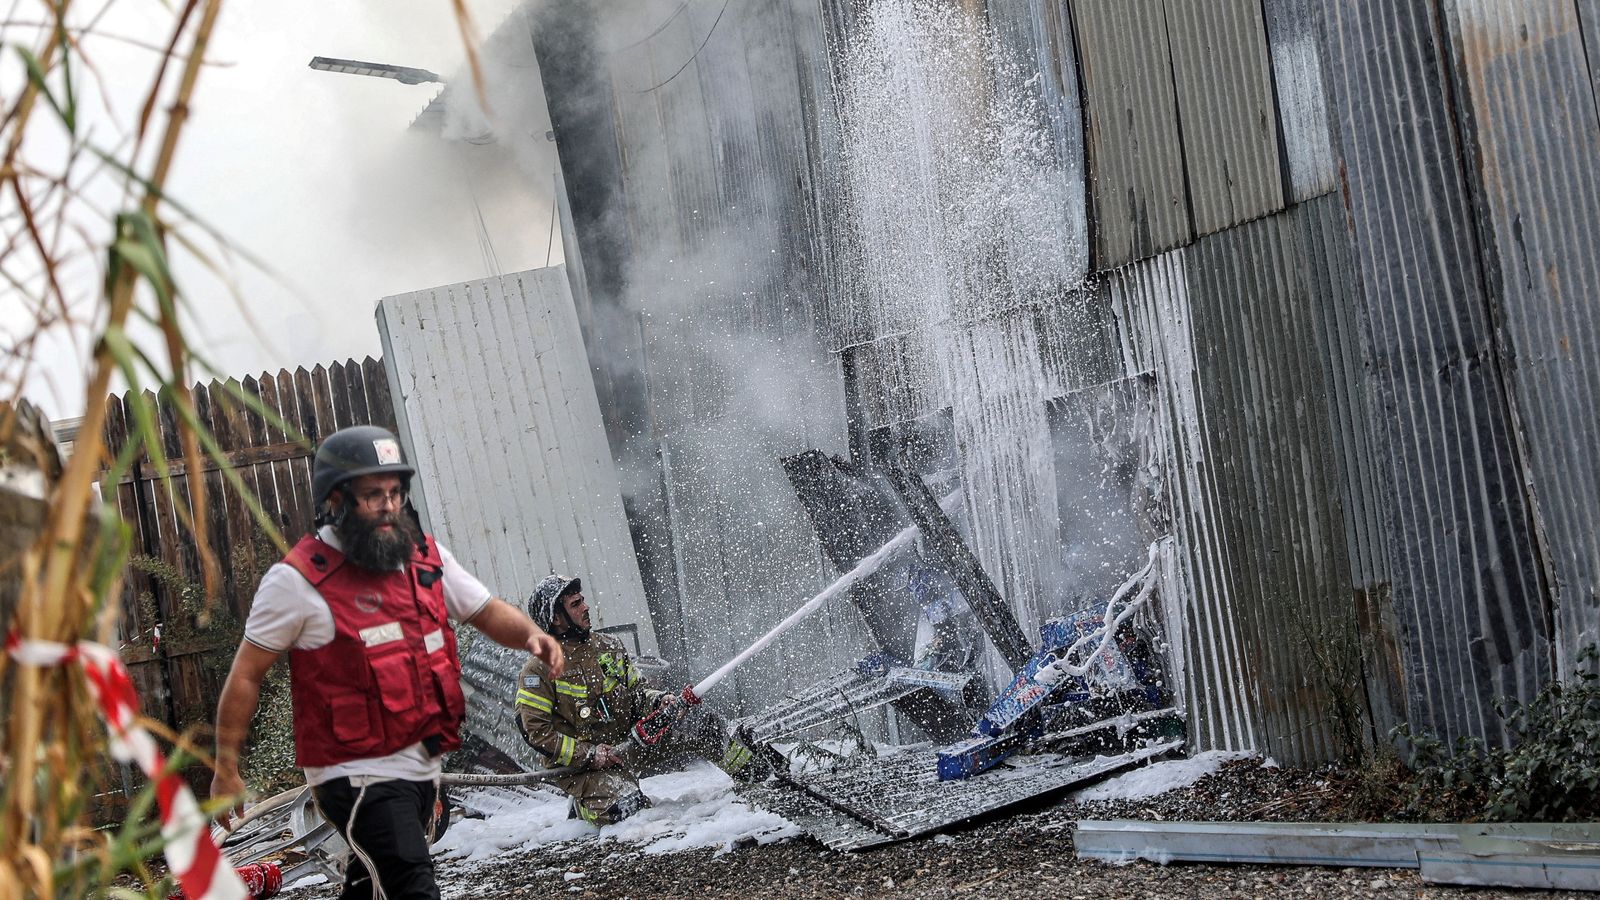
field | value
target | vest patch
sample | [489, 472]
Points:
[377, 635]
[433, 640]
[530, 681]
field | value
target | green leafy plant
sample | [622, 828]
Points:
[1550, 773]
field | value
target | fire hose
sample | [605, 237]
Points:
[278, 801]
[652, 728]
[264, 878]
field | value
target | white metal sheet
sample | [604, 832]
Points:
[502, 422]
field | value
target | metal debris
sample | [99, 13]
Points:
[1525, 855]
[900, 796]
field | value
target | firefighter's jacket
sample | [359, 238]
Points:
[595, 701]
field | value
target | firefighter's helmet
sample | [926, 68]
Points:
[352, 452]
[547, 596]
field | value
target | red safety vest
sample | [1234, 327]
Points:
[390, 676]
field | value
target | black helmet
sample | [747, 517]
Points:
[547, 596]
[352, 452]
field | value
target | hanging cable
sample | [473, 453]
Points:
[692, 57]
[491, 263]
[659, 28]
[550, 244]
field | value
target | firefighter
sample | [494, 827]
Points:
[366, 607]
[583, 718]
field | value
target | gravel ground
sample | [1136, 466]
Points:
[1018, 856]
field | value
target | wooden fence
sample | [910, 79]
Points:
[177, 662]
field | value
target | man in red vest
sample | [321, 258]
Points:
[366, 608]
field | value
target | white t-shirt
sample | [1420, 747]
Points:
[288, 613]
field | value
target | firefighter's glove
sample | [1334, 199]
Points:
[671, 707]
[604, 756]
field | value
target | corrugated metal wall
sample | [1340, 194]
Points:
[1294, 29]
[1225, 109]
[1351, 244]
[1152, 305]
[1264, 391]
[1183, 128]
[1466, 583]
[497, 407]
[1523, 68]
[1138, 196]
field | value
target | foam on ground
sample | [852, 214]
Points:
[1159, 778]
[692, 808]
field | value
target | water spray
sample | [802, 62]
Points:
[652, 728]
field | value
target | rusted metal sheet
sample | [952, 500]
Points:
[1226, 110]
[1250, 336]
[1527, 83]
[1138, 194]
[1327, 271]
[1270, 402]
[1466, 585]
[1294, 36]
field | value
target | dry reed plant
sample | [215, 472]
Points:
[51, 224]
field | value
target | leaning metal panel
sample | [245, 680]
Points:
[1467, 592]
[1524, 68]
[902, 795]
[837, 829]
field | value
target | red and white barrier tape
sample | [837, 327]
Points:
[191, 854]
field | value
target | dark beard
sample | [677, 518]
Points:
[378, 551]
[572, 631]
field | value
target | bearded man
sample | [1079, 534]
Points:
[366, 608]
[582, 719]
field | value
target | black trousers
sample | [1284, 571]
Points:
[386, 824]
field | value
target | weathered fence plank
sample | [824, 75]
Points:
[179, 682]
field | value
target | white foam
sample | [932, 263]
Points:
[692, 808]
[1159, 778]
[305, 882]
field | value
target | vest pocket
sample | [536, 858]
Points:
[351, 724]
[448, 681]
[396, 679]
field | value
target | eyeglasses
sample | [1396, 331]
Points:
[373, 501]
